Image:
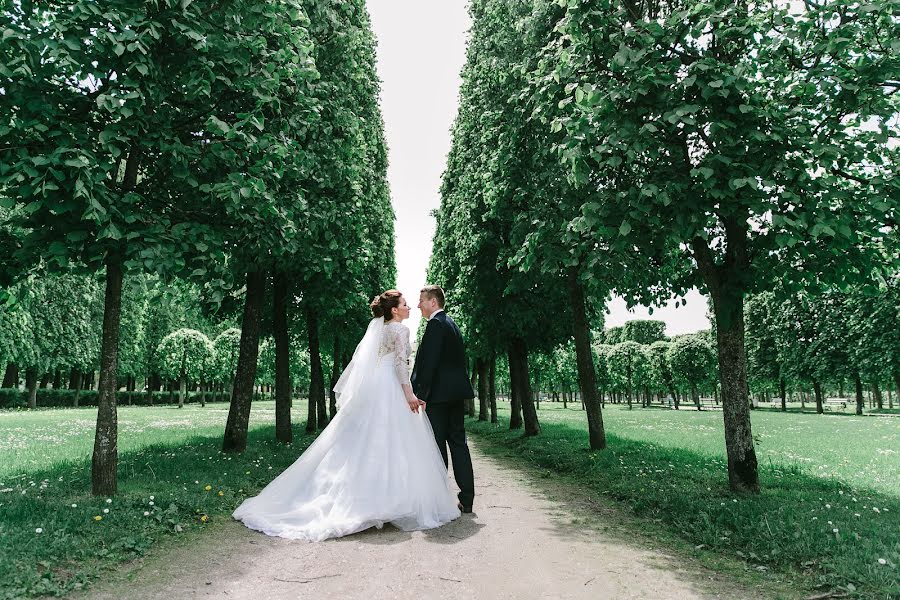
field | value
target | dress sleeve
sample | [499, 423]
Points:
[401, 355]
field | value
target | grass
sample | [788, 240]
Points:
[828, 515]
[173, 481]
[819, 473]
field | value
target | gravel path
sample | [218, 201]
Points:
[518, 544]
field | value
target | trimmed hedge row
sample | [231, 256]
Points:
[13, 398]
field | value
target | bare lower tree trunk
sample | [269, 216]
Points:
[817, 388]
[584, 359]
[492, 389]
[743, 475]
[695, 395]
[481, 367]
[57, 379]
[515, 402]
[876, 393]
[860, 401]
[45, 381]
[522, 386]
[783, 396]
[235, 439]
[283, 431]
[317, 378]
[182, 390]
[31, 384]
[75, 379]
[335, 375]
[105, 459]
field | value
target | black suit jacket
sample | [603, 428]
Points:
[440, 374]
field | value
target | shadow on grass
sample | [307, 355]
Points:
[55, 537]
[829, 533]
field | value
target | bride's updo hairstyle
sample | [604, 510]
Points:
[383, 303]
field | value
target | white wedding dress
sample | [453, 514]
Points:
[375, 463]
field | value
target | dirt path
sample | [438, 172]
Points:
[518, 544]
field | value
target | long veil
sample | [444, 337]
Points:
[363, 363]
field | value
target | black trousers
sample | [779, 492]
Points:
[448, 422]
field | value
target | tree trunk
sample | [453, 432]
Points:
[335, 375]
[31, 384]
[783, 396]
[481, 367]
[283, 432]
[876, 392]
[897, 384]
[695, 395]
[11, 376]
[473, 381]
[57, 379]
[522, 386]
[104, 462]
[45, 381]
[743, 475]
[75, 379]
[515, 401]
[817, 388]
[235, 439]
[584, 360]
[182, 390]
[317, 378]
[860, 401]
[492, 389]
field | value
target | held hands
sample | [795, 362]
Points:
[414, 403]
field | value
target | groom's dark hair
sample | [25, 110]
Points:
[434, 292]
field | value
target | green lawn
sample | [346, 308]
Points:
[861, 451]
[828, 515]
[56, 537]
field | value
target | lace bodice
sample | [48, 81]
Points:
[396, 341]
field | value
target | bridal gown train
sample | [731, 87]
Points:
[377, 462]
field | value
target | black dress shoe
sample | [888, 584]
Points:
[463, 509]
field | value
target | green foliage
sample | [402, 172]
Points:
[186, 354]
[692, 361]
[226, 349]
[629, 366]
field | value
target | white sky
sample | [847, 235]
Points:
[421, 51]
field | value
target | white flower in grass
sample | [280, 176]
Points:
[835, 530]
[109, 500]
[105, 511]
[39, 530]
[74, 506]
[875, 508]
[152, 497]
[146, 513]
[827, 506]
[152, 503]
[881, 561]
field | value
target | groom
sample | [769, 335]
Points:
[440, 379]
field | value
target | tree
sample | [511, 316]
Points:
[659, 357]
[718, 128]
[628, 366]
[226, 348]
[762, 323]
[692, 361]
[185, 355]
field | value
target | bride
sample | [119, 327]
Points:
[375, 463]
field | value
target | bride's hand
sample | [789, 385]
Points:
[414, 403]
